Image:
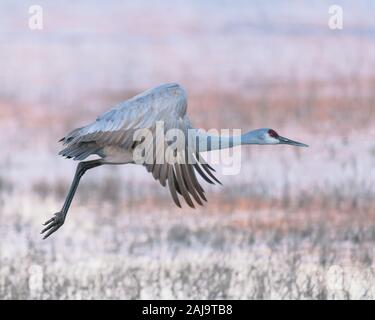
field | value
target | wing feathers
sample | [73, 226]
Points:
[172, 187]
[206, 167]
[117, 127]
[189, 183]
[181, 184]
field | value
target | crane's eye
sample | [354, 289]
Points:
[273, 133]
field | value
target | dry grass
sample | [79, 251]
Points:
[307, 233]
[121, 241]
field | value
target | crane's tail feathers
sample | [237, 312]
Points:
[80, 151]
[70, 136]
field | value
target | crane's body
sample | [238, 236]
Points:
[113, 138]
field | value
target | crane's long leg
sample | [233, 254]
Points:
[57, 221]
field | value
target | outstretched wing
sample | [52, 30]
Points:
[117, 126]
[180, 175]
[166, 103]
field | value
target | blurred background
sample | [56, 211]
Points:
[295, 223]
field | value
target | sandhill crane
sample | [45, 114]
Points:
[111, 137]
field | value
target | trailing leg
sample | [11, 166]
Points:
[58, 219]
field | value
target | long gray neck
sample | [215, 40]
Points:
[206, 142]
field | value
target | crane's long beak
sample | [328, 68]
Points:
[291, 142]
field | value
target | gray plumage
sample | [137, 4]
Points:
[114, 136]
[111, 138]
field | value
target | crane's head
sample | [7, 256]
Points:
[269, 136]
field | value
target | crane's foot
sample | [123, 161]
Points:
[53, 224]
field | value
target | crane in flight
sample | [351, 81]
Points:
[115, 135]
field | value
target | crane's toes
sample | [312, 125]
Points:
[53, 224]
